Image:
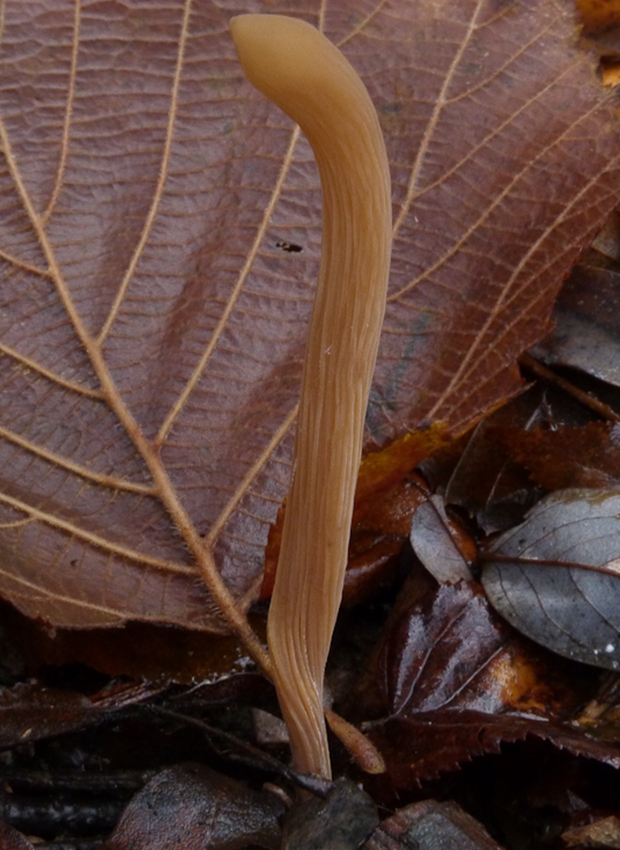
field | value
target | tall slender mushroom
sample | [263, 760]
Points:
[297, 68]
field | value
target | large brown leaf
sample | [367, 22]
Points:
[155, 303]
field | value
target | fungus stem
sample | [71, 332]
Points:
[308, 78]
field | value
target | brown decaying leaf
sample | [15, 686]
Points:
[477, 475]
[428, 744]
[152, 324]
[602, 833]
[566, 457]
[484, 473]
[29, 712]
[142, 651]
[449, 649]
[457, 682]
[193, 807]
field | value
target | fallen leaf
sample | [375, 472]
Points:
[598, 15]
[456, 682]
[159, 239]
[566, 457]
[143, 651]
[480, 476]
[443, 547]
[539, 575]
[424, 746]
[30, 712]
[430, 825]
[193, 807]
[587, 322]
[342, 821]
[450, 650]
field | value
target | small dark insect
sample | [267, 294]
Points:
[289, 247]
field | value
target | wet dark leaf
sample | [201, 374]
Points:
[192, 807]
[30, 712]
[483, 478]
[240, 689]
[140, 650]
[381, 523]
[587, 325]
[438, 543]
[574, 611]
[423, 746]
[342, 821]
[451, 650]
[430, 826]
[459, 682]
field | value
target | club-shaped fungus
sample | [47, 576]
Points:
[297, 68]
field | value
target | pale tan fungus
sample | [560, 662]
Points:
[297, 68]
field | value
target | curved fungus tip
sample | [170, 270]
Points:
[297, 68]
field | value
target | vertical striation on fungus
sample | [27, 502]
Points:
[297, 68]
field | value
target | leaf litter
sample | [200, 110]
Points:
[152, 330]
[451, 682]
[537, 575]
[586, 324]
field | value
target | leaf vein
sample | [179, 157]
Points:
[28, 363]
[434, 118]
[466, 368]
[251, 475]
[64, 148]
[219, 329]
[95, 539]
[76, 468]
[497, 200]
[159, 189]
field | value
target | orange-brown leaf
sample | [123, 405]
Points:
[155, 303]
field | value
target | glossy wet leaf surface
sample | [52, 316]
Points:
[153, 318]
[457, 682]
[572, 610]
[436, 544]
[450, 650]
[424, 747]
